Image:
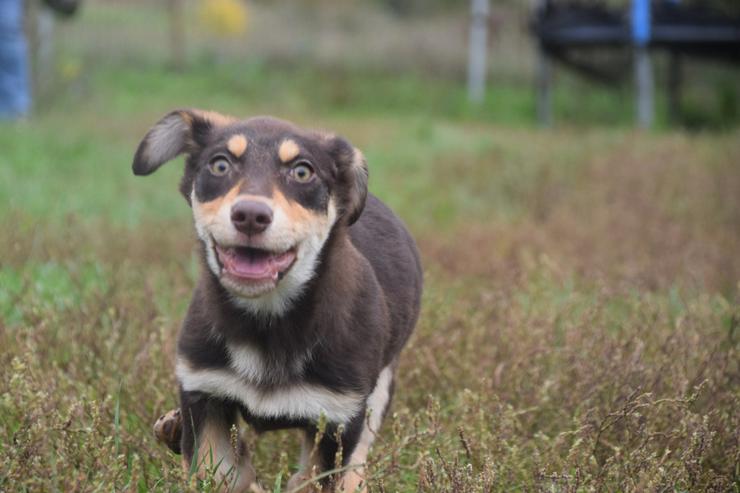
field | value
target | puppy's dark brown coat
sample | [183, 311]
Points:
[310, 289]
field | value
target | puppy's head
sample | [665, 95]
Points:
[265, 196]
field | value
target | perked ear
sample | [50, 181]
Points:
[352, 177]
[177, 132]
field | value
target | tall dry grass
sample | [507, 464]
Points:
[588, 343]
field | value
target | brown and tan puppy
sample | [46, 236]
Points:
[309, 290]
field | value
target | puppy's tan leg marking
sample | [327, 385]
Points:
[377, 402]
[309, 467]
[224, 455]
[353, 482]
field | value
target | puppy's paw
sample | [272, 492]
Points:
[168, 429]
[256, 488]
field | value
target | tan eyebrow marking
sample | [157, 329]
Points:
[237, 144]
[288, 150]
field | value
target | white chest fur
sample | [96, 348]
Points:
[250, 363]
[297, 401]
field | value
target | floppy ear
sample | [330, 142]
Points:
[352, 177]
[177, 132]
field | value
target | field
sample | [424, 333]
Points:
[581, 320]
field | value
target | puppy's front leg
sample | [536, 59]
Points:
[208, 445]
[319, 458]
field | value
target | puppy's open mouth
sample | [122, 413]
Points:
[248, 264]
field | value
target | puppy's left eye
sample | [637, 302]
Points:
[219, 167]
[302, 172]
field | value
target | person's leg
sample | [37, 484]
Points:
[15, 99]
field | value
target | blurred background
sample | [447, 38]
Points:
[373, 55]
[570, 171]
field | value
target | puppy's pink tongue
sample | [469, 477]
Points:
[251, 263]
[255, 266]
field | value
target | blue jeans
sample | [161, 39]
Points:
[15, 97]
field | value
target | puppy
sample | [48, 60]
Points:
[309, 290]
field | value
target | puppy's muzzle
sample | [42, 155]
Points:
[251, 217]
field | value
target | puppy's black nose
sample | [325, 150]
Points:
[251, 217]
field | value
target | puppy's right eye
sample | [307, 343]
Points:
[219, 167]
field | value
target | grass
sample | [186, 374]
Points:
[580, 321]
